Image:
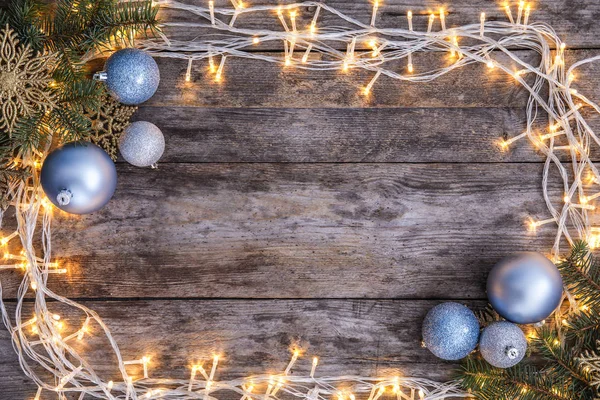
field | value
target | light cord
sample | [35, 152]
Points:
[43, 341]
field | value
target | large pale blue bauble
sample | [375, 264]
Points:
[79, 177]
[131, 76]
[450, 331]
[502, 344]
[525, 288]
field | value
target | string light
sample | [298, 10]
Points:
[315, 362]
[567, 127]
[188, 72]
[293, 19]
[292, 362]
[211, 8]
[313, 24]
[219, 73]
[482, 24]
[374, 13]
[369, 86]
[430, 22]
[520, 11]
[526, 17]
[509, 13]
[281, 19]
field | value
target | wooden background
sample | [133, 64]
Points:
[289, 209]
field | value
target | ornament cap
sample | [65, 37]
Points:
[64, 197]
[101, 76]
[512, 352]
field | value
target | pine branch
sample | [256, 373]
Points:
[581, 274]
[519, 382]
[562, 359]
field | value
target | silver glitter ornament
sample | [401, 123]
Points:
[502, 344]
[131, 76]
[79, 177]
[450, 331]
[525, 288]
[142, 144]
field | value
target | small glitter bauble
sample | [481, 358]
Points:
[525, 288]
[142, 144]
[131, 76]
[450, 331]
[79, 177]
[502, 344]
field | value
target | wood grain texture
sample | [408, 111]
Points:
[290, 208]
[575, 22]
[301, 231]
[257, 84]
[351, 337]
[251, 83]
[381, 135]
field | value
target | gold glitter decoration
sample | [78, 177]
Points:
[108, 123]
[24, 81]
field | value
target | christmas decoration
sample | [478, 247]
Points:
[79, 177]
[43, 97]
[131, 76]
[450, 331]
[502, 344]
[71, 373]
[569, 370]
[24, 81]
[108, 122]
[142, 144]
[525, 288]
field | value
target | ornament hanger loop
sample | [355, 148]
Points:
[64, 197]
[512, 352]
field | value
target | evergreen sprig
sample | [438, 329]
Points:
[559, 369]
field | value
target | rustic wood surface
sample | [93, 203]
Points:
[290, 209]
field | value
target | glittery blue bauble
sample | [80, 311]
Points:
[132, 76]
[79, 177]
[450, 331]
[502, 344]
[525, 288]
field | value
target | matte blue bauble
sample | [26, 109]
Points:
[450, 331]
[131, 76]
[79, 177]
[502, 344]
[525, 288]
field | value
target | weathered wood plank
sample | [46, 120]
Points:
[378, 338]
[344, 135]
[301, 231]
[575, 22]
[253, 83]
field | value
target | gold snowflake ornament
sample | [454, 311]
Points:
[108, 123]
[24, 81]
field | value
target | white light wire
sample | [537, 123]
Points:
[44, 348]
